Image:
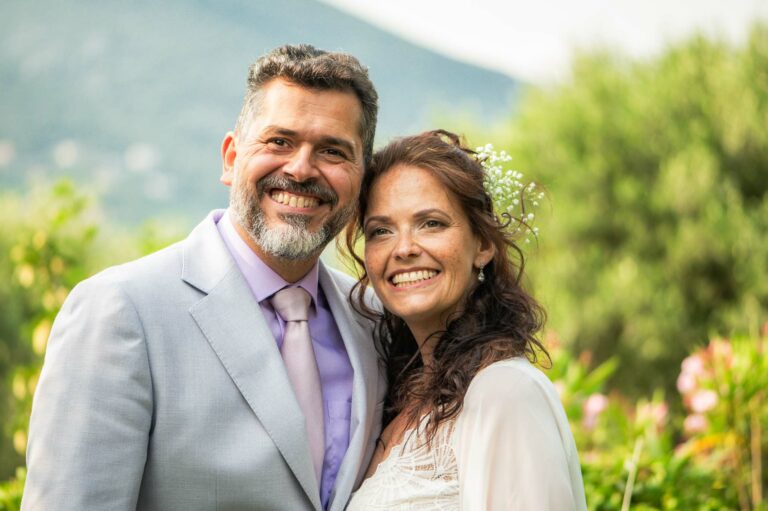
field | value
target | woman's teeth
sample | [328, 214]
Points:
[295, 201]
[411, 277]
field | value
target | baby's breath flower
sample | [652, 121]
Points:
[512, 198]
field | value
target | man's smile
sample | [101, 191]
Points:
[294, 200]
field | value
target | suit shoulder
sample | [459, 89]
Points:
[152, 269]
[346, 282]
[342, 279]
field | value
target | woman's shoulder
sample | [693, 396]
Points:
[513, 395]
[510, 379]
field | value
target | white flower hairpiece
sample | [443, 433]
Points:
[513, 200]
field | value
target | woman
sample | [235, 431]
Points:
[469, 423]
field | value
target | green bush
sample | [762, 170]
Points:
[724, 388]
[49, 238]
[657, 177]
[11, 490]
[52, 240]
[652, 457]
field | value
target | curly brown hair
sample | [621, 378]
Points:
[499, 319]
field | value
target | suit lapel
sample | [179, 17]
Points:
[359, 345]
[233, 324]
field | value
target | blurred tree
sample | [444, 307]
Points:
[47, 238]
[50, 238]
[657, 173]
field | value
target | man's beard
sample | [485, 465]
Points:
[291, 240]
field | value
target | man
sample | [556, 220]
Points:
[178, 381]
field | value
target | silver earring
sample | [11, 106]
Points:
[481, 275]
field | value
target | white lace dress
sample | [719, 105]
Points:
[511, 448]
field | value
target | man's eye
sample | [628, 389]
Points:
[335, 153]
[280, 142]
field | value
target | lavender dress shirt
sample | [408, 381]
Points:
[332, 359]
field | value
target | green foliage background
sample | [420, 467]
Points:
[50, 239]
[653, 238]
[656, 231]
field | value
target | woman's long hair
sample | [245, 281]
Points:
[499, 320]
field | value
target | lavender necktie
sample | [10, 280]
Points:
[292, 304]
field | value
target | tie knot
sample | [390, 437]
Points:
[292, 304]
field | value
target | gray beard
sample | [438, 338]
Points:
[292, 240]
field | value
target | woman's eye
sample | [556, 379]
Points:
[433, 224]
[378, 231]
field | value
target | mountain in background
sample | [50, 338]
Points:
[132, 98]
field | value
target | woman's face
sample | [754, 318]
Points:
[420, 252]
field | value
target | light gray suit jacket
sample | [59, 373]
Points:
[163, 389]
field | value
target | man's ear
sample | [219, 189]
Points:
[228, 155]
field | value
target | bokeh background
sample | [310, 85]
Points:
[646, 124]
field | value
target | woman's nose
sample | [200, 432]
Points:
[407, 247]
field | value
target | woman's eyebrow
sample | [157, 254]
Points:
[378, 218]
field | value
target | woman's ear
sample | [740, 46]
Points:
[228, 155]
[485, 253]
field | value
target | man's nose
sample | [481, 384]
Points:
[301, 165]
[407, 246]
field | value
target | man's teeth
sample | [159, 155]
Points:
[295, 201]
[404, 279]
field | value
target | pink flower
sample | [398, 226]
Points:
[686, 382]
[703, 401]
[692, 368]
[695, 423]
[693, 365]
[593, 406]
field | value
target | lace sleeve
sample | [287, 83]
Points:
[514, 447]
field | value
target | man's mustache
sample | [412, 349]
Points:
[309, 187]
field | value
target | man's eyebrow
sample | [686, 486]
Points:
[327, 140]
[279, 130]
[339, 142]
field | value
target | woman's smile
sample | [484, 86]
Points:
[407, 279]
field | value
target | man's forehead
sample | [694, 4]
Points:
[340, 103]
[279, 89]
[324, 115]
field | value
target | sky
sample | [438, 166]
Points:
[535, 40]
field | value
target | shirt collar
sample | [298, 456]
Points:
[263, 280]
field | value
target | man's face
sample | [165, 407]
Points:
[295, 169]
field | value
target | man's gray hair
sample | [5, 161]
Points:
[310, 67]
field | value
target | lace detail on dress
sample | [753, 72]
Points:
[413, 476]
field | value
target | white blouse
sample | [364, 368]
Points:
[510, 448]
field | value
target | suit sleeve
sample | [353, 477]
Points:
[92, 410]
[512, 448]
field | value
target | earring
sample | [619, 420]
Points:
[481, 275]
